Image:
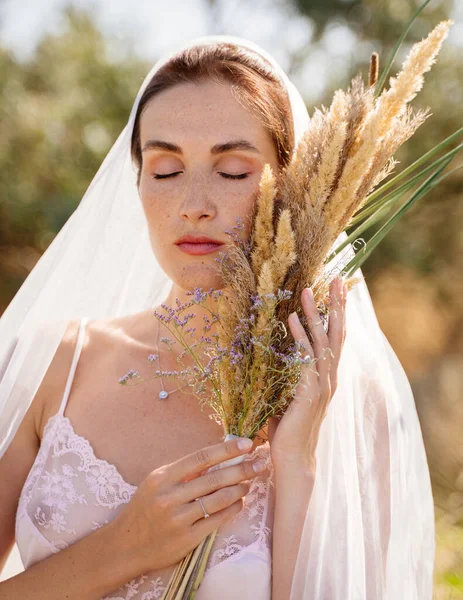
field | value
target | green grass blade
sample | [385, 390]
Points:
[366, 211]
[387, 202]
[368, 248]
[382, 80]
[362, 255]
[379, 213]
[370, 206]
[416, 164]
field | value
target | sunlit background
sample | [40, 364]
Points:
[69, 73]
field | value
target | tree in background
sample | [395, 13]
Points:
[421, 259]
[60, 114]
[61, 111]
[416, 275]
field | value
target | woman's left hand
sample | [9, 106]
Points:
[293, 437]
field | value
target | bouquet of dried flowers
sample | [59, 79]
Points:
[252, 365]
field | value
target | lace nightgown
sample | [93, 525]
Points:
[69, 492]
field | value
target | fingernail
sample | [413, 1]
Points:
[294, 316]
[310, 293]
[259, 466]
[244, 443]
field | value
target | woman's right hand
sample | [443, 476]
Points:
[163, 519]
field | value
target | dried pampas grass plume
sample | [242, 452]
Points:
[263, 224]
[374, 69]
[404, 87]
[386, 121]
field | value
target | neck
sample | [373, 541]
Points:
[152, 331]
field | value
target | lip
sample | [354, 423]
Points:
[197, 244]
[197, 239]
[197, 248]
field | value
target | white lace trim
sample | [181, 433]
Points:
[109, 489]
[256, 505]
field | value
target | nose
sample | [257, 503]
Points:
[197, 204]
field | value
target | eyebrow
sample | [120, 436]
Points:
[216, 149]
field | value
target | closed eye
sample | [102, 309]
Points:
[225, 175]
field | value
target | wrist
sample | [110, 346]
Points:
[123, 554]
[297, 465]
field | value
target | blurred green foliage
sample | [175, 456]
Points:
[430, 239]
[415, 276]
[59, 115]
[61, 111]
[380, 20]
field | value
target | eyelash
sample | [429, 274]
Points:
[225, 175]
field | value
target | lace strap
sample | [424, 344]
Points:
[75, 359]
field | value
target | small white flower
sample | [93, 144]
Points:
[58, 522]
[103, 478]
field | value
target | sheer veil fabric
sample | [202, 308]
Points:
[369, 528]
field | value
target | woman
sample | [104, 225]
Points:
[345, 477]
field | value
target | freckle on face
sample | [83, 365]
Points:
[197, 117]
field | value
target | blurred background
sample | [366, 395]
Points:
[69, 73]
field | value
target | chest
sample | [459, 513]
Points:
[71, 492]
[129, 426]
[140, 434]
[101, 441]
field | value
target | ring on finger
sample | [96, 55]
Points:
[206, 515]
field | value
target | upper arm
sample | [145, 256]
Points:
[17, 461]
[15, 465]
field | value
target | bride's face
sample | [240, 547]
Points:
[182, 132]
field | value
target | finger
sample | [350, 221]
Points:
[192, 465]
[321, 342]
[203, 527]
[345, 292]
[213, 503]
[215, 480]
[309, 372]
[336, 329]
[336, 325]
[314, 322]
[300, 336]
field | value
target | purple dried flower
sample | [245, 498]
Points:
[169, 309]
[130, 375]
[256, 302]
[160, 317]
[284, 294]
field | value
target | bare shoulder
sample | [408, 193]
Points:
[53, 383]
[101, 338]
[22, 451]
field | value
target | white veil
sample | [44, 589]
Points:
[369, 529]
